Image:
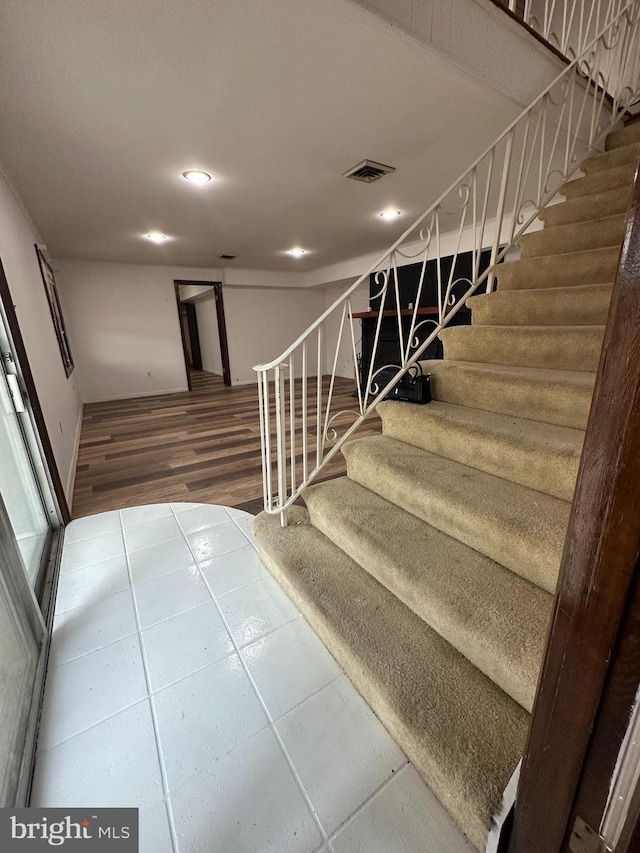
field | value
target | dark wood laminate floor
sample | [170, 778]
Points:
[201, 446]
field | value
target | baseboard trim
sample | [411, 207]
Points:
[181, 390]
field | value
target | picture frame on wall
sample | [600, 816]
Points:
[49, 281]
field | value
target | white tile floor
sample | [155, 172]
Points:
[182, 680]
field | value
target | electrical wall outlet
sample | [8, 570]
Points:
[149, 372]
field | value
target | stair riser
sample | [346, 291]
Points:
[553, 403]
[599, 234]
[549, 470]
[596, 267]
[599, 182]
[453, 582]
[499, 538]
[628, 154]
[553, 348]
[586, 209]
[556, 306]
[625, 136]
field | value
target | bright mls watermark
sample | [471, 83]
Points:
[36, 830]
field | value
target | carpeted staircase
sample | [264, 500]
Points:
[429, 569]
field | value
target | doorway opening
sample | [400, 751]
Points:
[204, 331]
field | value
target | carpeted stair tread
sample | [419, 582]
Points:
[494, 618]
[560, 397]
[597, 182]
[519, 528]
[575, 237]
[594, 266]
[585, 209]
[627, 135]
[612, 159]
[547, 347]
[462, 732]
[551, 306]
[537, 455]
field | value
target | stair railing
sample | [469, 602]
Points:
[568, 25]
[489, 207]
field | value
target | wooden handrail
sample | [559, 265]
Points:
[391, 312]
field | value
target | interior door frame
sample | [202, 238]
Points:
[222, 326]
[591, 669]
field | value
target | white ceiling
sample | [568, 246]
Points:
[103, 104]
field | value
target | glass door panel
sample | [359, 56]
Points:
[21, 635]
[18, 484]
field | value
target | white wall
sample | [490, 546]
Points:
[191, 292]
[262, 322]
[208, 334]
[58, 395]
[478, 37]
[123, 325]
[345, 361]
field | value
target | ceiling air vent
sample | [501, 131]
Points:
[227, 257]
[368, 171]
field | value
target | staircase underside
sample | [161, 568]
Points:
[429, 570]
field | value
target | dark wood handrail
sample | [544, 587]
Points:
[537, 36]
[391, 312]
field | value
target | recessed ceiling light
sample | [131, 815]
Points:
[157, 237]
[297, 253]
[197, 177]
[390, 214]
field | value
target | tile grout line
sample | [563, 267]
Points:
[193, 672]
[236, 650]
[156, 730]
[139, 630]
[272, 723]
[275, 719]
[383, 786]
[97, 648]
[309, 697]
[275, 732]
[104, 598]
[91, 565]
[122, 525]
[93, 725]
[328, 838]
[251, 542]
